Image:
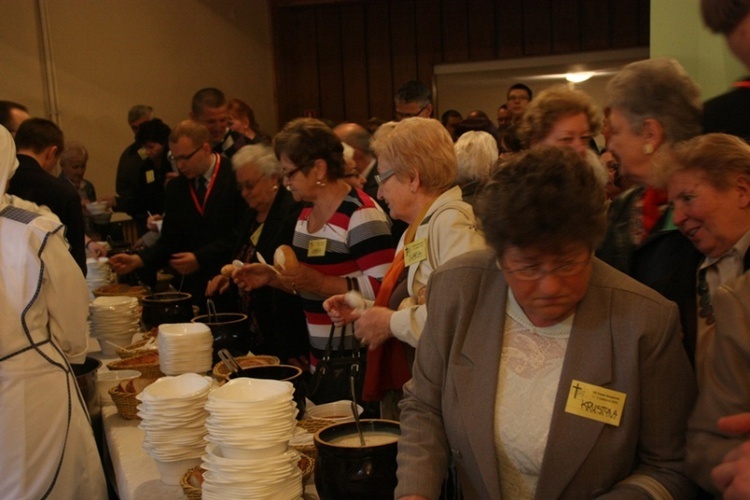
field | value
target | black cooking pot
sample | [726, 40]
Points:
[166, 307]
[287, 373]
[231, 331]
[367, 472]
[86, 378]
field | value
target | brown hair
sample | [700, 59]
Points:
[723, 16]
[305, 140]
[545, 197]
[193, 130]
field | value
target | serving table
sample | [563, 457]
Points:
[135, 472]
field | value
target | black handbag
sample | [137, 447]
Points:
[333, 376]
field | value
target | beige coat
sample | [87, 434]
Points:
[625, 337]
[727, 382]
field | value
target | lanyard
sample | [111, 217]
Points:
[202, 207]
[742, 84]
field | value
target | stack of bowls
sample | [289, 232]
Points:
[249, 427]
[114, 321]
[98, 274]
[185, 348]
[173, 415]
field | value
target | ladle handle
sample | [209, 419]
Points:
[355, 412]
[211, 310]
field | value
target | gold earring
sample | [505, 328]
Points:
[648, 149]
[320, 183]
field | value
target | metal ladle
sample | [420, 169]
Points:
[355, 411]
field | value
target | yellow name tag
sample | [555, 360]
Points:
[150, 176]
[317, 248]
[414, 252]
[596, 403]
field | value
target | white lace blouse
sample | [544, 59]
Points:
[530, 366]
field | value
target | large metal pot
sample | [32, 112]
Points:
[166, 307]
[231, 331]
[353, 471]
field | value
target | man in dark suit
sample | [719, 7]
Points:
[39, 143]
[359, 139]
[210, 108]
[201, 210]
[729, 112]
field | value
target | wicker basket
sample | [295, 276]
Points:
[126, 402]
[221, 372]
[312, 425]
[307, 465]
[135, 349]
[147, 364]
[192, 492]
[119, 289]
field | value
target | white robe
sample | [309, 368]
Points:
[47, 445]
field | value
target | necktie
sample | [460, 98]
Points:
[200, 189]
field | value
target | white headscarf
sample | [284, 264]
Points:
[8, 162]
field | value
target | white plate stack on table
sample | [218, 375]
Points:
[98, 274]
[173, 415]
[185, 348]
[249, 427]
[114, 321]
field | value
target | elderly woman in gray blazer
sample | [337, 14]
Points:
[542, 372]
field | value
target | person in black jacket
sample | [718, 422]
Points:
[277, 321]
[201, 209]
[39, 143]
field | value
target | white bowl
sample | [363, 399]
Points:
[251, 390]
[171, 472]
[339, 411]
[239, 452]
[186, 329]
[186, 386]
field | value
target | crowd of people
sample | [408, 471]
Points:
[553, 305]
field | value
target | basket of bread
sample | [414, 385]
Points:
[146, 363]
[124, 393]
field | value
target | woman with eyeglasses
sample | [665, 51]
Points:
[417, 179]
[342, 239]
[542, 372]
[277, 323]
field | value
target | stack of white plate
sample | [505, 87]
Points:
[98, 274]
[114, 321]
[249, 427]
[173, 415]
[185, 348]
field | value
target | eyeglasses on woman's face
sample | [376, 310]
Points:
[384, 176]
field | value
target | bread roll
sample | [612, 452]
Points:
[227, 270]
[284, 258]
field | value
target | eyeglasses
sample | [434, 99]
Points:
[536, 272]
[381, 178]
[174, 159]
[401, 116]
[249, 186]
[290, 174]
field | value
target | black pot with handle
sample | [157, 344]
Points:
[166, 307]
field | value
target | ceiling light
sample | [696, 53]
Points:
[579, 77]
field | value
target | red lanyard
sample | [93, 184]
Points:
[202, 207]
[742, 84]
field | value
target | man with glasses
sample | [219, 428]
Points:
[413, 98]
[519, 96]
[210, 108]
[201, 210]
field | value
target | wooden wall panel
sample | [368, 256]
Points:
[454, 30]
[330, 62]
[345, 58]
[481, 29]
[379, 69]
[403, 42]
[429, 40]
[508, 19]
[354, 58]
[537, 27]
[624, 28]
[595, 25]
[566, 26]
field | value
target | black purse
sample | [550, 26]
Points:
[337, 372]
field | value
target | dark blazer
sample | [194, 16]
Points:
[210, 236]
[624, 337]
[666, 262]
[278, 314]
[729, 113]
[32, 183]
